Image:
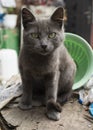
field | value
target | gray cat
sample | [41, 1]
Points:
[46, 68]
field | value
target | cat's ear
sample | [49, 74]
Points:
[58, 16]
[27, 17]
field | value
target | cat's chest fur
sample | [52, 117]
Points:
[38, 65]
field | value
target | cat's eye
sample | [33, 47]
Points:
[34, 35]
[52, 35]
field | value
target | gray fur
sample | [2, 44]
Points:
[47, 71]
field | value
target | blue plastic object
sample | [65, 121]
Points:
[2, 17]
[91, 109]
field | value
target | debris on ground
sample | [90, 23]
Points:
[10, 90]
[4, 125]
[86, 96]
[89, 118]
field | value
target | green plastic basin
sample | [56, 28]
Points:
[82, 53]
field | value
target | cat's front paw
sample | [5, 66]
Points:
[24, 106]
[53, 115]
[53, 110]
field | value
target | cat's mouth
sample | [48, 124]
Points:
[44, 52]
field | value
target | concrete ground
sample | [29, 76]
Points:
[72, 118]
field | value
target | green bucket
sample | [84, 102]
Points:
[82, 53]
[9, 39]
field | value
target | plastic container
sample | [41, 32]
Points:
[10, 21]
[82, 54]
[9, 39]
[8, 64]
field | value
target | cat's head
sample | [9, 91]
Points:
[43, 36]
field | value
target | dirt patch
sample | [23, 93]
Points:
[72, 118]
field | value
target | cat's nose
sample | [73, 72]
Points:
[44, 46]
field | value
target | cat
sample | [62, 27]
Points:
[45, 65]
